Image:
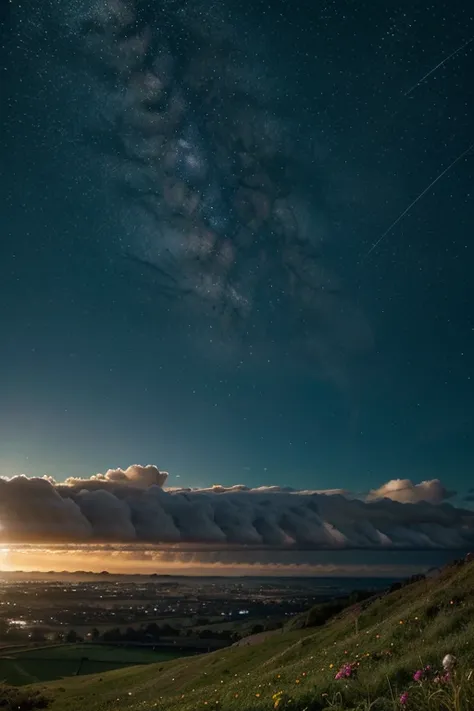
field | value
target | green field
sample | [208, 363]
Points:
[55, 662]
[395, 635]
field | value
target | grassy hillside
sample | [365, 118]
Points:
[393, 637]
[26, 666]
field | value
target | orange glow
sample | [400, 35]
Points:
[171, 560]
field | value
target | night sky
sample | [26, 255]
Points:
[191, 195]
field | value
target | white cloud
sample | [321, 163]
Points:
[407, 492]
[132, 505]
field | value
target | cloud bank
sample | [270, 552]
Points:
[132, 505]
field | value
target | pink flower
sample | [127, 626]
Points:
[346, 671]
[418, 675]
[404, 698]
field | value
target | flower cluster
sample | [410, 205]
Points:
[346, 671]
[427, 674]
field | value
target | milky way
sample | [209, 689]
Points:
[209, 173]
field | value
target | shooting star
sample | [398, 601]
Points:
[417, 199]
[456, 51]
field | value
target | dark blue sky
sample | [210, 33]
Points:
[312, 366]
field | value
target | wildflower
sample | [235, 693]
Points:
[401, 622]
[345, 672]
[279, 699]
[442, 678]
[404, 698]
[257, 695]
[331, 666]
[449, 662]
[422, 674]
[297, 681]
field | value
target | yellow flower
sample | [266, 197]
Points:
[401, 622]
[297, 681]
[257, 695]
[331, 666]
[236, 696]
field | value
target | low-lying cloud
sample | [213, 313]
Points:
[132, 505]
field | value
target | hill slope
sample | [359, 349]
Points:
[394, 635]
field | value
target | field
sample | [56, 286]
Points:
[47, 663]
[385, 643]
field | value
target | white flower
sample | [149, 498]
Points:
[448, 662]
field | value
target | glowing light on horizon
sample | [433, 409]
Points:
[4, 558]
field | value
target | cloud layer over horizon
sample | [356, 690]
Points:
[132, 505]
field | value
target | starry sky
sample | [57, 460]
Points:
[187, 278]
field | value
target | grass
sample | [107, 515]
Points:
[396, 634]
[49, 663]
